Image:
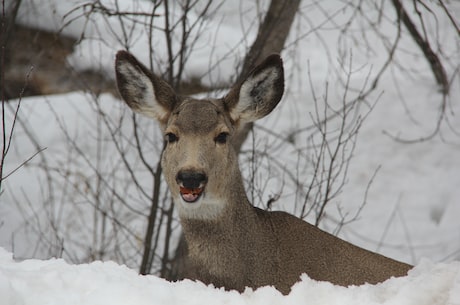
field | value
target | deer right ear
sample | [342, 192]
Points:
[142, 90]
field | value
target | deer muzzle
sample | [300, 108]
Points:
[191, 184]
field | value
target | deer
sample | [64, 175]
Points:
[231, 243]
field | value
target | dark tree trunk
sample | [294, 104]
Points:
[271, 37]
[434, 61]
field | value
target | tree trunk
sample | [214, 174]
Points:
[434, 61]
[271, 37]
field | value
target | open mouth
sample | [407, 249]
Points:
[191, 195]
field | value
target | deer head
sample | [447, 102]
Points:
[200, 164]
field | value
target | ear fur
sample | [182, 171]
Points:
[142, 90]
[259, 93]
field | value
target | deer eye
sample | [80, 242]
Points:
[171, 137]
[221, 138]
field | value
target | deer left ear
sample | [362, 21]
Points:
[259, 93]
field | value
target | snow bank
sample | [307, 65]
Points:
[57, 282]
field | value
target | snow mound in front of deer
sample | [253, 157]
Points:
[55, 281]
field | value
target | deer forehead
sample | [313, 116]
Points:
[200, 117]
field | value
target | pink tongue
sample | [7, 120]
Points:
[189, 197]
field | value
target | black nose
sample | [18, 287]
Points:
[191, 179]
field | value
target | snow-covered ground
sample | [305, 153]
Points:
[412, 205]
[54, 281]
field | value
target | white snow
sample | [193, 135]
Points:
[38, 282]
[412, 206]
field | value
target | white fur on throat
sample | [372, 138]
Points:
[206, 208]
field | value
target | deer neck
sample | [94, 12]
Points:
[214, 244]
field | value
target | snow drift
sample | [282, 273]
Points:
[56, 282]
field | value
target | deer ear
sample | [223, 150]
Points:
[259, 93]
[142, 90]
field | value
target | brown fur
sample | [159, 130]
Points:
[231, 243]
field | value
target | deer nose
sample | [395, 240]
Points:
[191, 179]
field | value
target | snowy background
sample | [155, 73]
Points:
[412, 206]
